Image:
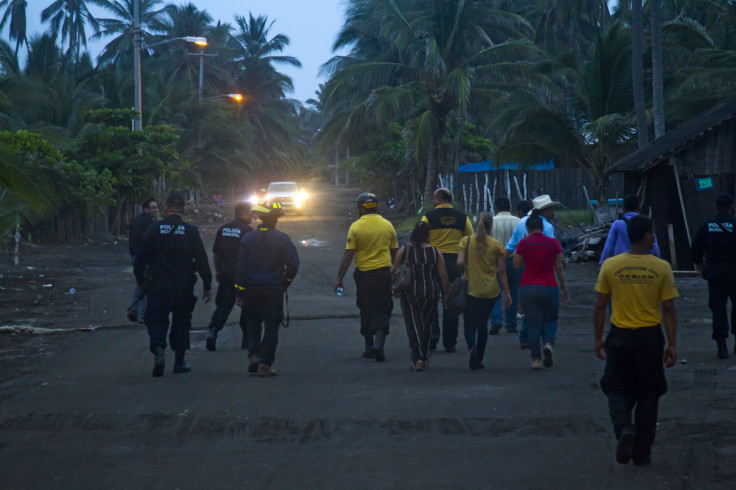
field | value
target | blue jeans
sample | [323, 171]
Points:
[514, 277]
[541, 307]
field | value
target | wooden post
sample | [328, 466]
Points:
[671, 240]
[682, 202]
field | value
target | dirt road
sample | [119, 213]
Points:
[80, 410]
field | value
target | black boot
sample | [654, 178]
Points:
[211, 340]
[722, 348]
[158, 362]
[180, 365]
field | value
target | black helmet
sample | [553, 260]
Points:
[267, 208]
[367, 200]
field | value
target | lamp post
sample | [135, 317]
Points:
[137, 42]
[200, 88]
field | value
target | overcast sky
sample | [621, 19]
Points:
[310, 25]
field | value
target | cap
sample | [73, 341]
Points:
[175, 199]
[724, 199]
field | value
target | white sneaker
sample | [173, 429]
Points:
[547, 353]
[536, 364]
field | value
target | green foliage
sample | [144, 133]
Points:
[27, 178]
[94, 188]
[134, 159]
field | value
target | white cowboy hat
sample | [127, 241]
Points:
[544, 201]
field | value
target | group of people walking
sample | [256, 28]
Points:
[443, 247]
[253, 268]
[505, 261]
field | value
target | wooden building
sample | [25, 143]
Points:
[679, 176]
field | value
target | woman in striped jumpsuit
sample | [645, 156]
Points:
[419, 304]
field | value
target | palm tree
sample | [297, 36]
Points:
[421, 64]
[598, 130]
[15, 12]
[637, 71]
[70, 19]
[120, 26]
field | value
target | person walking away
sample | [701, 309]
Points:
[225, 257]
[372, 243]
[503, 227]
[617, 241]
[637, 283]
[541, 257]
[486, 265]
[545, 205]
[137, 229]
[716, 242]
[419, 304]
[267, 265]
[171, 255]
[447, 226]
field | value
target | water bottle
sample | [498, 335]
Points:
[340, 291]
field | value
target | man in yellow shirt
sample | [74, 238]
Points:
[636, 283]
[372, 242]
[447, 226]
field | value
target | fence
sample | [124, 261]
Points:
[567, 185]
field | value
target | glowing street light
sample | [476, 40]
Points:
[235, 97]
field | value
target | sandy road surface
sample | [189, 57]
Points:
[80, 410]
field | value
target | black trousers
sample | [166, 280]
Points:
[634, 380]
[225, 301]
[264, 312]
[721, 289]
[374, 300]
[450, 319]
[177, 300]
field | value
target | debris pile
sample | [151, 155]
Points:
[589, 245]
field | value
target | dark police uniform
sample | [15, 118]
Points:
[447, 227]
[138, 228]
[267, 263]
[225, 250]
[716, 239]
[171, 254]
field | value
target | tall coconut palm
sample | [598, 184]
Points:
[422, 63]
[15, 17]
[119, 27]
[70, 19]
[598, 130]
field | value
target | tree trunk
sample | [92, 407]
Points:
[431, 178]
[657, 70]
[637, 71]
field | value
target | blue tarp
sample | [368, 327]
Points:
[488, 166]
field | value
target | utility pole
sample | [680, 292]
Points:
[200, 89]
[138, 121]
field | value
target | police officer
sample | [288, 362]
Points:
[447, 227]
[225, 256]
[267, 264]
[138, 228]
[171, 254]
[372, 242]
[716, 239]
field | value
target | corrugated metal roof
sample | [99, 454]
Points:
[679, 139]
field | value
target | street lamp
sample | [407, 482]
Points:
[137, 42]
[235, 97]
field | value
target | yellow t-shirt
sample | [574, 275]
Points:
[482, 282]
[636, 283]
[446, 240]
[372, 236]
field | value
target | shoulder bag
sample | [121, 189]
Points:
[404, 276]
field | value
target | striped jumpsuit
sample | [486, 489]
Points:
[419, 305]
